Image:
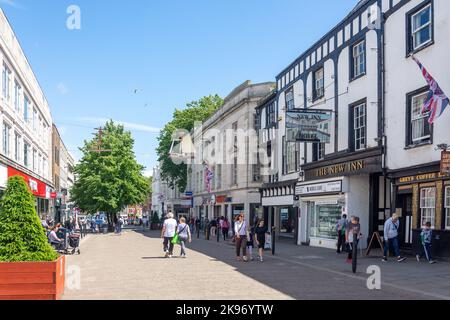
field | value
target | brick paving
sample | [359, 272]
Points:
[132, 266]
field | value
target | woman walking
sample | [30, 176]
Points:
[225, 228]
[241, 230]
[260, 235]
[184, 235]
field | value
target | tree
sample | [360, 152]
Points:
[176, 175]
[111, 180]
[22, 237]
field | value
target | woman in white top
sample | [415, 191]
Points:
[240, 230]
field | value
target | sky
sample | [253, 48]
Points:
[136, 61]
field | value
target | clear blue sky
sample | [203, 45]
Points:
[172, 51]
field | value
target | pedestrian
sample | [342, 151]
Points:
[206, 226]
[213, 224]
[250, 244]
[352, 236]
[168, 232]
[184, 235]
[241, 230]
[120, 225]
[54, 241]
[260, 237]
[341, 227]
[225, 228]
[426, 237]
[92, 225]
[391, 227]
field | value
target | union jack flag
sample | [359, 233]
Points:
[436, 101]
[209, 175]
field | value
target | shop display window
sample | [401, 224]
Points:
[324, 218]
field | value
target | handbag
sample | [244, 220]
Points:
[176, 238]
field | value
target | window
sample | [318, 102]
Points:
[359, 59]
[359, 127]
[271, 114]
[34, 120]
[420, 28]
[6, 139]
[319, 84]
[289, 156]
[17, 147]
[290, 105]
[26, 150]
[318, 151]
[418, 126]
[447, 208]
[34, 160]
[6, 82]
[26, 104]
[234, 172]
[17, 89]
[39, 168]
[428, 206]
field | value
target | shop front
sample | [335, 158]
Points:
[40, 190]
[352, 185]
[421, 195]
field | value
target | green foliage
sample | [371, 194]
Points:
[22, 237]
[176, 175]
[109, 181]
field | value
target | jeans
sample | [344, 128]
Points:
[225, 233]
[394, 243]
[426, 251]
[241, 242]
[183, 245]
[168, 245]
[341, 242]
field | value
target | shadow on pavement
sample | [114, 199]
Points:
[301, 276]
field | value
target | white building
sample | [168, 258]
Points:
[419, 192]
[66, 177]
[159, 188]
[382, 156]
[25, 121]
[224, 146]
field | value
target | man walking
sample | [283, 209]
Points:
[168, 232]
[391, 238]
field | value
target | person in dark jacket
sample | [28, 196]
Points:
[260, 237]
[426, 238]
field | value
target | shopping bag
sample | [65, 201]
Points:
[175, 239]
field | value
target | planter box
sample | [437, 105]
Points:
[32, 280]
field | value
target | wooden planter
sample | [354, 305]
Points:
[32, 280]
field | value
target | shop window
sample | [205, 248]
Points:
[324, 218]
[428, 206]
[447, 208]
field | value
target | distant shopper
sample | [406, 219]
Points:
[56, 242]
[426, 237]
[213, 224]
[391, 238]
[225, 228]
[241, 230]
[260, 237]
[341, 228]
[184, 234]
[168, 232]
[352, 236]
[250, 244]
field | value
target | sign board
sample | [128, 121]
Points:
[445, 162]
[307, 125]
[328, 187]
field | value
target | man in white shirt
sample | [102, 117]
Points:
[168, 232]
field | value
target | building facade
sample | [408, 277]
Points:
[224, 150]
[26, 122]
[383, 156]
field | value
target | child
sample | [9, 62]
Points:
[250, 244]
[425, 241]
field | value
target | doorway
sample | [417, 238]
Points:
[404, 202]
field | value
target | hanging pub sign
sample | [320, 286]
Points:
[307, 125]
[445, 162]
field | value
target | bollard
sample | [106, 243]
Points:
[198, 232]
[273, 241]
[218, 234]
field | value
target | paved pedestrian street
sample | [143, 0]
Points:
[132, 266]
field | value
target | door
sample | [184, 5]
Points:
[406, 222]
